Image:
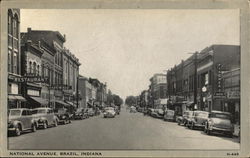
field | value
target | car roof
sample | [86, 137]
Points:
[201, 111]
[41, 108]
[221, 112]
[20, 109]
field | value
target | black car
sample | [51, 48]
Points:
[80, 114]
[63, 115]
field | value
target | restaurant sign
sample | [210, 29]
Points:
[25, 79]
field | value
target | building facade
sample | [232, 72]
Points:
[158, 90]
[61, 89]
[85, 89]
[31, 66]
[15, 98]
[212, 62]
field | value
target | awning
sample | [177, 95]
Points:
[72, 104]
[16, 97]
[62, 103]
[40, 100]
[189, 103]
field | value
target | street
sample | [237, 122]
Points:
[125, 131]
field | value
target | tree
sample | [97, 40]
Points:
[130, 100]
[117, 100]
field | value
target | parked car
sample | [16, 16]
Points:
[198, 120]
[90, 112]
[63, 115]
[219, 122]
[20, 120]
[85, 113]
[117, 110]
[185, 117]
[109, 112]
[149, 112]
[132, 109]
[169, 115]
[45, 117]
[79, 114]
[157, 113]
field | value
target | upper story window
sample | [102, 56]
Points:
[38, 70]
[9, 61]
[34, 68]
[9, 22]
[15, 62]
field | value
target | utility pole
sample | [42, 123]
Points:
[195, 78]
[77, 94]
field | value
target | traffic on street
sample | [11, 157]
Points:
[128, 130]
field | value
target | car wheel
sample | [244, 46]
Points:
[192, 126]
[179, 123]
[205, 130]
[33, 127]
[230, 135]
[208, 132]
[55, 123]
[64, 122]
[69, 121]
[45, 125]
[18, 131]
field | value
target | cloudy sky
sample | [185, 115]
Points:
[126, 47]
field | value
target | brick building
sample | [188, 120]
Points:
[15, 98]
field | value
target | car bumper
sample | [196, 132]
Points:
[216, 129]
[12, 129]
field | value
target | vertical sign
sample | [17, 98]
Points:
[219, 78]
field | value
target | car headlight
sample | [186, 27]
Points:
[63, 117]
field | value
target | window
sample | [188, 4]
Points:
[9, 61]
[38, 72]
[206, 78]
[34, 68]
[14, 27]
[30, 67]
[10, 23]
[15, 63]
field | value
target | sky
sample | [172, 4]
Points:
[125, 48]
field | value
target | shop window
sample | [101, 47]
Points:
[206, 78]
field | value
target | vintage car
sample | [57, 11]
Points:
[158, 113]
[80, 114]
[45, 117]
[184, 118]
[117, 110]
[109, 112]
[20, 120]
[198, 119]
[169, 115]
[63, 115]
[219, 122]
[90, 112]
[132, 109]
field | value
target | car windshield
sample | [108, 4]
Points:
[188, 113]
[170, 112]
[61, 111]
[79, 110]
[201, 114]
[15, 112]
[220, 115]
[39, 111]
[109, 108]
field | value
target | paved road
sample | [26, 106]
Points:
[126, 131]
